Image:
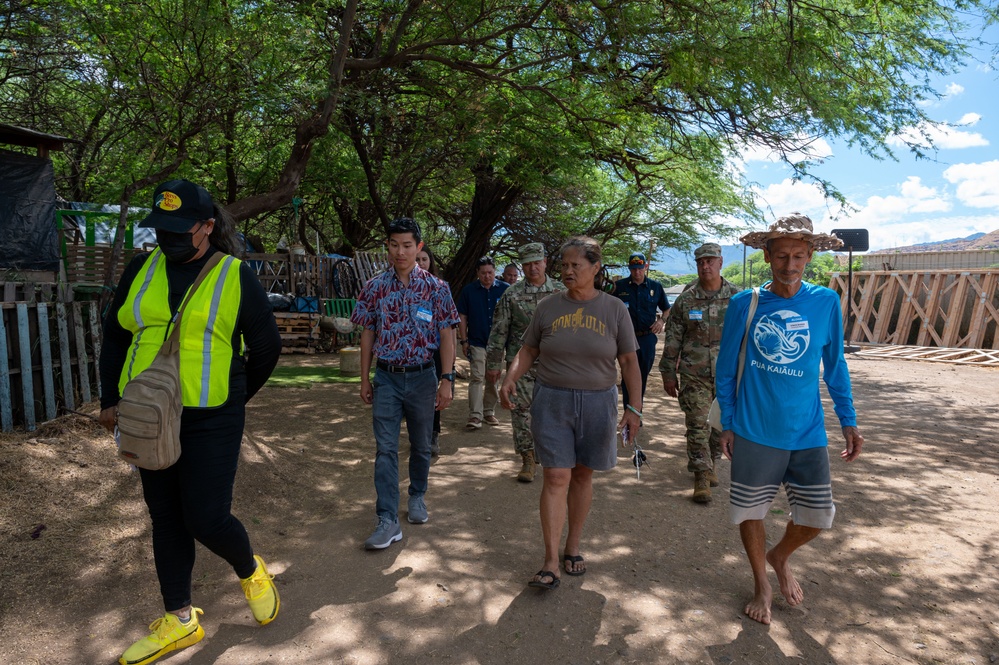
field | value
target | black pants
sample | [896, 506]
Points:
[646, 357]
[440, 370]
[192, 500]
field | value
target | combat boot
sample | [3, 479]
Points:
[702, 487]
[527, 471]
[712, 477]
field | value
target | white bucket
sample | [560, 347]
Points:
[350, 361]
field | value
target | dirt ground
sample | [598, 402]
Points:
[908, 574]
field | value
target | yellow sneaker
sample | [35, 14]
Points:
[261, 594]
[169, 634]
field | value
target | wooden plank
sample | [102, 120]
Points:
[928, 331]
[889, 293]
[6, 411]
[47, 370]
[95, 337]
[65, 361]
[869, 285]
[27, 376]
[81, 351]
[935, 354]
[978, 323]
[907, 308]
[863, 310]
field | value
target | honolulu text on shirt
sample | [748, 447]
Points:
[578, 320]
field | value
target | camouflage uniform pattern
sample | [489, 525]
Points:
[693, 334]
[510, 321]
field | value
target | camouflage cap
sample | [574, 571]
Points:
[708, 249]
[532, 251]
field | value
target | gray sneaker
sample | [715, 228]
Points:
[417, 510]
[386, 533]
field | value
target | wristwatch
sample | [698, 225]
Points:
[449, 376]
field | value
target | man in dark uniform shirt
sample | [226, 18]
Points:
[645, 299]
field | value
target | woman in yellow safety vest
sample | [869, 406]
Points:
[229, 344]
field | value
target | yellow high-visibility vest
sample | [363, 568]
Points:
[206, 328]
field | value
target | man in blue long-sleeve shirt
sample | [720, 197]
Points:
[773, 424]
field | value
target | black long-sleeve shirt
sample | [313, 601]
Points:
[255, 324]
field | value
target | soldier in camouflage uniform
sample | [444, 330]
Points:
[693, 334]
[512, 316]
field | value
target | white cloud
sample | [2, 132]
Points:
[977, 184]
[913, 232]
[915, 198]
[807, 149]
[915, 215]
[941, 136]
[953, 89]
[969, 119]
[790, 196]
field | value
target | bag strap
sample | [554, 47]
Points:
[172, 343]
[745, 337]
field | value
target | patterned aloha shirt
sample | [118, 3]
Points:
[406, 320]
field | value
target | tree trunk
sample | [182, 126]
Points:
[492, 200]
[306, 134]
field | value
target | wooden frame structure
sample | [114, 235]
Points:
[952, 309]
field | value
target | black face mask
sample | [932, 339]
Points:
[177, 247]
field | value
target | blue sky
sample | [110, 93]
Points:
[951, 195]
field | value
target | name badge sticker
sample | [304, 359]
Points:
[800, 323]
[424, 314]
[696, 315]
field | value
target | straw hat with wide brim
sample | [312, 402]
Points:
[796, 226]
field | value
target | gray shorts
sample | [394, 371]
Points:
[573, 427]
[758, 472]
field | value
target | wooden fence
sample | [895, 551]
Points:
[86, 265]
[316, 276]
[49, 355]
[956, 309]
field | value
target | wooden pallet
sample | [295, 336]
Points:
[299, 331]
[934, 354]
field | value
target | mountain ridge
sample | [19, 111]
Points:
[678, 262]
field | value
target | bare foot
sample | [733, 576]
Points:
[788, 585]
[758, 609]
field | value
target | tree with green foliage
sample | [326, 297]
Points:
[818, 271]
[491, 121]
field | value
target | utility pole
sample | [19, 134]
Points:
[744, 266]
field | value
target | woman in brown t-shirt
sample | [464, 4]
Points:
[576, 337]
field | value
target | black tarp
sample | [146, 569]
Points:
[28, 236]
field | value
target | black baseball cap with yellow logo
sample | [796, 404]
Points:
[177, 206]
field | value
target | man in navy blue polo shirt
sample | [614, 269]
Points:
[645, 299]
[476, 305]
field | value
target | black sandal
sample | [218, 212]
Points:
[572, 559]
[541, 584]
